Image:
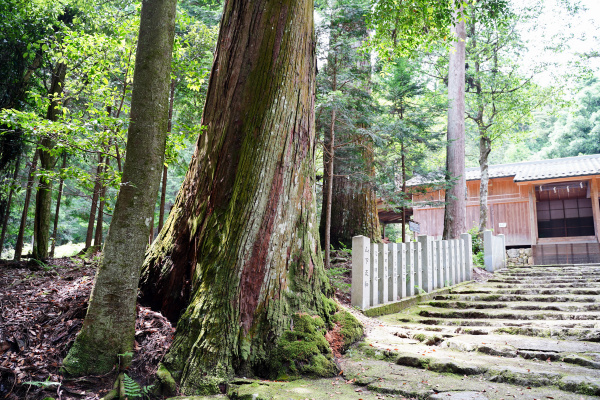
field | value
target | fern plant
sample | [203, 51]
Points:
[133, 389]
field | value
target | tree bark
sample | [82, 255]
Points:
[9, 202]
[57, 210]
[485, 147]
[43, 198]
[456, 203]
[403, 160]
[30, 183]
[109, 325]
[95, 195]
[241, 246]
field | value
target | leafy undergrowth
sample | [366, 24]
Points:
[41, 310]
[340, 275]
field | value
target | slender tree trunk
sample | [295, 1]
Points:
[43, 199]
[403, 158]
[109, 325]
[30, 183]
[100, 219]
[163, 194]
[57, 210]
[455, 214]
[9, 202]
[329, 181]
[95, 195]
[243, 230]
[485, 147]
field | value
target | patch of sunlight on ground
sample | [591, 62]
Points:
[65, 250]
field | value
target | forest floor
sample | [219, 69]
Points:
[42, 307]
[410, 355]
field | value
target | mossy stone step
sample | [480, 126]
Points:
[521, 305]
[491, 290]
[511, 298]
[521, 315]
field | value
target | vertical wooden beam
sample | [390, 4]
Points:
[533, 215]
[595, 207]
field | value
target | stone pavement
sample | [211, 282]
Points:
[530, 331]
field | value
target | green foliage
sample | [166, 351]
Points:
[134, 390]
[43, 384]
[477, 247]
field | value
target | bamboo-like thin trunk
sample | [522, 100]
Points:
[100, 219]
[30, 183]
[95, 195]
[57, 210]
[163, 194]
[9, 202]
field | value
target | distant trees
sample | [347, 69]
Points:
[345, 111]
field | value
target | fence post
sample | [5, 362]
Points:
[461, 259]
[393, 272]
[418, 267]
[410, 268]
[435, 265]
[374, 274]
[446, 263]
[452, 261]
[361, 261]
[468, 249]
[488, 247]
[382, 278]
[426, 263]
[503, 250]
[402, 270]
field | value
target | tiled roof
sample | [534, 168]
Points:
[536, 170]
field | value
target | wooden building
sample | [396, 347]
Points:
[550, 205]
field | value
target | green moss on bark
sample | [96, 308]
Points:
[351, 330]
[303, 350]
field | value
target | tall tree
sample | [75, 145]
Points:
[345, 110]
[43, 198]
[108, 328]
[500, 99]
[240, 249]
[455, 212]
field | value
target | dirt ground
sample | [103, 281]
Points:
[41, 310]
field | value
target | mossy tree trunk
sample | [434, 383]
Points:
[43, 198]
[109, 325]
[240, 248]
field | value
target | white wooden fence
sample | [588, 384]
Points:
[384, 273]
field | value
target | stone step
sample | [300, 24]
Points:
[508, 298]
[506, 314]
[522, 305]
[544, 281]
[576, 285]
[448, 358]
[543, 291]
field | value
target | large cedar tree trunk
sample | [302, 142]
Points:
[43, 198]
[485, 147]
[455, 215]
[241, 245]
[109, 325]
[354, 203]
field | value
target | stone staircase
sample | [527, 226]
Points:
[529, 332]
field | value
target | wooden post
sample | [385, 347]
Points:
[595, 207]
[361, 281]
[533, 215]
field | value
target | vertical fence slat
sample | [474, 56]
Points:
[402, 270]
[374, 275]
[361, 282]
[383, 273]
[393, 272]
[410, 268]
